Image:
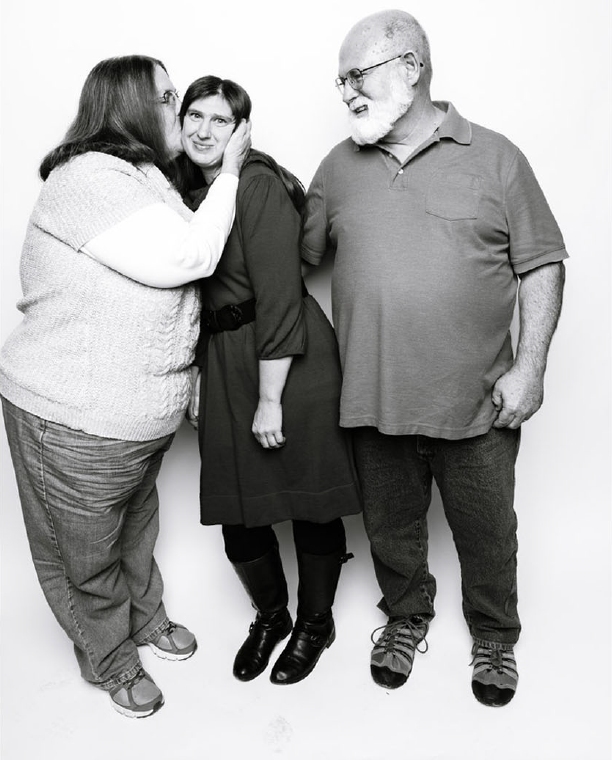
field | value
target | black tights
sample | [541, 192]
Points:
[245, 544]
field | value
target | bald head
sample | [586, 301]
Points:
[386, 34]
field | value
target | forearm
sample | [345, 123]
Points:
[268, 420]
[199, 252]
[540, 298]
[273, 375]
[157, 247]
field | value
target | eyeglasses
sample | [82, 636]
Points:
[169, 98]
[355, 76]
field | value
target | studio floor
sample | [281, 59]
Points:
[561, 710]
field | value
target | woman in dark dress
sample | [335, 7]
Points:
[267, 398]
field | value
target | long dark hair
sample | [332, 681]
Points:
[117, 114]
[189, 177]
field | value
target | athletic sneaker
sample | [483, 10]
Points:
[495, 676]
[393, 653]
[175, 642]
[138, 697]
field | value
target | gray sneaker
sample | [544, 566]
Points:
[175, 642]
[393, 652]
[138, 697]
[495, 677]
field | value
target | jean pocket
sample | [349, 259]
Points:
[454, 196]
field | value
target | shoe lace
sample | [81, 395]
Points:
[134, 680]
[496, 659]
[169, 629]
[411, 631]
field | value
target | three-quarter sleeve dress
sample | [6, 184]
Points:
[312, 477]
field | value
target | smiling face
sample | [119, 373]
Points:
[373, 115]
[207, 127]
[384, 98]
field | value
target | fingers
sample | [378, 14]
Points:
[193, 408]
[503, 421]
[511, 420]
[243, 130]
[271, 440]
[240, 141]
[193, 411]
[237, 149]
[192, 417]
[496, 398]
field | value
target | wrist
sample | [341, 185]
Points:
[230, 168]
[530, 367]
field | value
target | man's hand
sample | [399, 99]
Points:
[517, 396]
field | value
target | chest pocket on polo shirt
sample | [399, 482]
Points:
[454, 196]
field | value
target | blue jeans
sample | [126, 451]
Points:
[90, 508]
[475, 477]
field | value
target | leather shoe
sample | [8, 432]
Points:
[264, 634]
[309, 638]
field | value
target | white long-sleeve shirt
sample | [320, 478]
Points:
[156, 246]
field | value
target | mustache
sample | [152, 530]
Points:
[355, 105]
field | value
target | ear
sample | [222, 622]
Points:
[413, 67]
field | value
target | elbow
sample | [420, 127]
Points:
[196, 262]
[557, 270]
[553, 272]
[171, 280]
[562, 273]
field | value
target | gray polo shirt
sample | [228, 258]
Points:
[425, 277]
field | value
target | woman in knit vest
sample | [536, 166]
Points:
[96, 380]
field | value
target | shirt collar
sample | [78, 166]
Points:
[453, 126]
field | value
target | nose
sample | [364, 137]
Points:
[348, 92]
[204, 128]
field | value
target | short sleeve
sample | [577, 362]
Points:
[92, 193]
[270, 230]
[535, 237]
[315, 239]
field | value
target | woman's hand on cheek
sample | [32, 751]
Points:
[237, 149]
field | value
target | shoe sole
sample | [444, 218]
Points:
[164, 655]
[384, 685]
[125, 711]
[494, 701]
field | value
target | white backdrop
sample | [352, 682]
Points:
[535, 70]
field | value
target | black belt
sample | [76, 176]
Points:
[232, 316]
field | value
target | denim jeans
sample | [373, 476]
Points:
[90, 508]
[475, 477]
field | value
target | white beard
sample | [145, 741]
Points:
[381, 115]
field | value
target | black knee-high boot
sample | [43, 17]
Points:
[265, 583]
[314, 628]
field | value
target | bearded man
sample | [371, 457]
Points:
[433, 221]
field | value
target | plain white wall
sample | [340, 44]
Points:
[535, 70]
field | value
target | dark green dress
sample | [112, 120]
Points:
[312, 477]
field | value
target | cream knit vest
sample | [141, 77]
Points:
[97, 351]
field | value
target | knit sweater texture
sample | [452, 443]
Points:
[97, 351]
